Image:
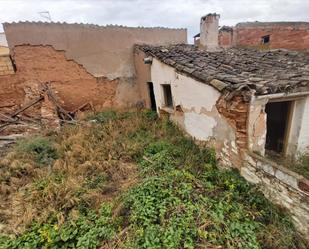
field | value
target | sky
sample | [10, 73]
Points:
[153, 13]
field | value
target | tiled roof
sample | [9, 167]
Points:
[264, 72]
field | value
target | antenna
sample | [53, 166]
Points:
[45, 14]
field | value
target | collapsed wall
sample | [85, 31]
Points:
[82, 63]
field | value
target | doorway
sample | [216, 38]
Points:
[277, 126]
[152, 96]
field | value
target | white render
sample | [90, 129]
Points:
[303, 139]
[199, 116]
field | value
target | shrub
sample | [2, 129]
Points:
[84, 233]
[177, 199]
[41, 148]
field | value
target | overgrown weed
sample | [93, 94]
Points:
[130, 180]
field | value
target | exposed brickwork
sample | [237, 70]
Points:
[11, 94]
[226, 37]
[72, 84]
[293, 37]
[304, 185]
[236, 113]
[6, 66]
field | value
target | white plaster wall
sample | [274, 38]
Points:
[298, 137]
[196, 99]
[257, 126]
[303, 139]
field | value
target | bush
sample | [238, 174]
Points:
[84, 233]
[41, 148]
[164, 192]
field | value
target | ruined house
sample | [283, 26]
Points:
[270, 35]
[249, 104]
[83, 65]
[264, 35]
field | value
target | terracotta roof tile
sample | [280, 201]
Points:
[264, 72]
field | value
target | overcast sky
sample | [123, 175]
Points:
[168, 13]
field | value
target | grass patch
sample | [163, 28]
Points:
[41, 148]
[130, 180]
[301, 166]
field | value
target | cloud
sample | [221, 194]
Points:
[172, 13]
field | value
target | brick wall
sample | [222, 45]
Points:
[225, 37]
[293, 37]
[236, 112]
[6, 66]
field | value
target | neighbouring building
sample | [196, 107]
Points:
[264, 35]
[82, 63]
[267, 35]
[252, 106]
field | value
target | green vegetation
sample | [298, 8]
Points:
[301, 166]
[130, 180]
[40, 148]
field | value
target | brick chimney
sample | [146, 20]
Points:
[209, 32]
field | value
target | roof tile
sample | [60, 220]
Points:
[265, 72]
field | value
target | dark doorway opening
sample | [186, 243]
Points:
[277, 124]
[168, 98]
[152, 96]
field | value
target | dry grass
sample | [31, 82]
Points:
[91, 168]
[129, 180]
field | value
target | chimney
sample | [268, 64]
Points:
[209, 32]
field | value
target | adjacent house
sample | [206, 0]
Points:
[252, 106]
[286, 35]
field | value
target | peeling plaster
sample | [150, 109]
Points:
[199, 117]
[199, 126]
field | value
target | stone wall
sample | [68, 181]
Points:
[293, 36]
[281, 186]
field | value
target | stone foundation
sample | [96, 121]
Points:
[281, 186]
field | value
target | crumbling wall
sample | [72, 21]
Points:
[102, 51]
[71, 82]
[293, 36]
[196, 111]
[297, 141]
[11, 94]
[281, 186]
[235, 111]
[84, 63]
